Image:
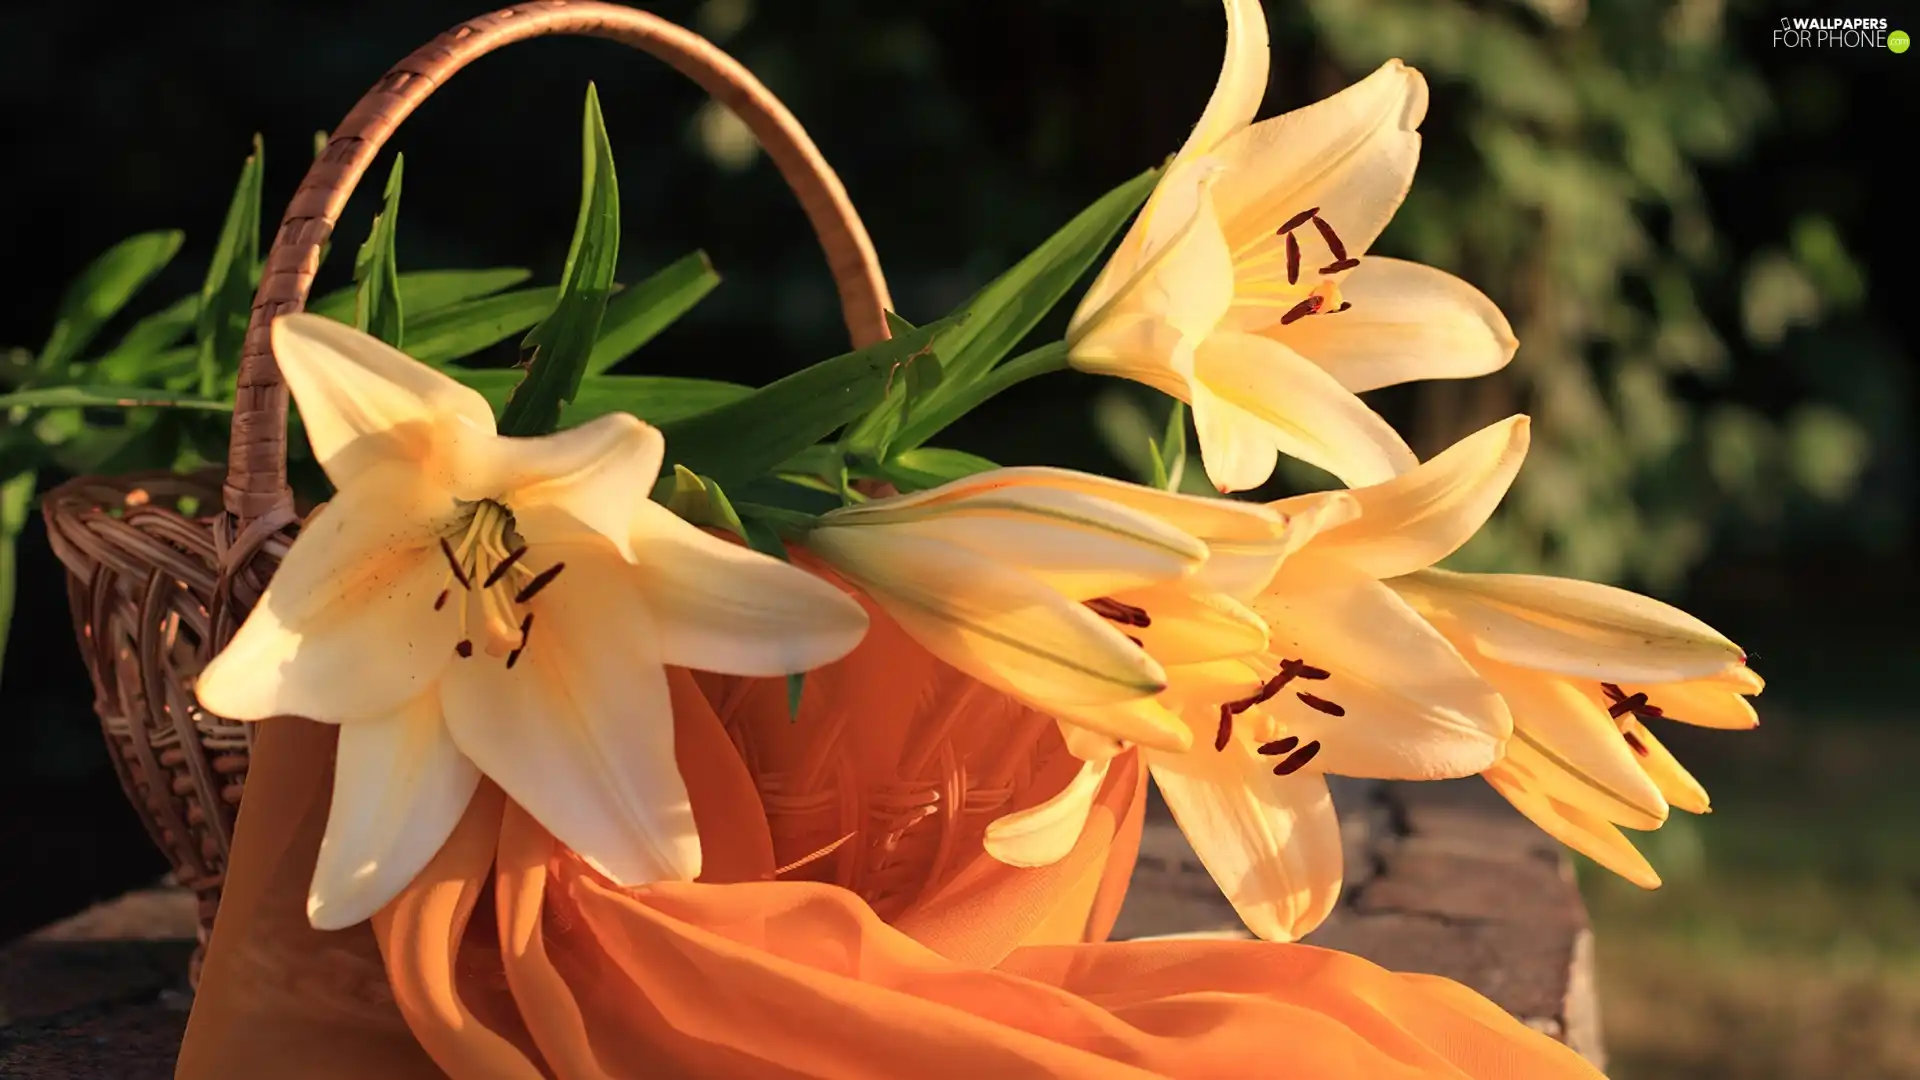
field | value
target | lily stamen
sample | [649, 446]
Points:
[453, 562]
[1332, 238]
[526, 628]
[1299, 219]
[1293, 259]
[1280, 746]
[1297, 760]
[540, 581]
[1623, 704]
[1124, 614]
[500, 569]
[1634, 742]
[1321, 704]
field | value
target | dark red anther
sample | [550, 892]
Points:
[540, 581]
[1638, 746]
[526, 627]
[1303, 309]
[1322, 704]
[1337, 267]
[1344, 305]
[459, 574]
[464, 648]
[506, 564]
[1332, 238]
[1136, 641]
[1125, 614]
[1226, 728]
[1280, 746]
[1293, 259]
[440, 601]
[1300, 669]
[1297, 220]
[1624, 703]
[1297, 760]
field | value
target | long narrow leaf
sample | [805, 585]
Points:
[459, 330]
[423, 292]
[657, 399]
[16, 502]
[227, 296]
[106, 286]
[741, 441]
[108, 397]
[377, 307]
[564, 340]
[150, 337]
[636, 316]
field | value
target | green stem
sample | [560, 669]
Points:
[1039, 361]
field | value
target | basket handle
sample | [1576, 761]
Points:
[256, 488]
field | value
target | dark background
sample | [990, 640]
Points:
[1704, 241]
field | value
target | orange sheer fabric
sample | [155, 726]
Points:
[906, 952]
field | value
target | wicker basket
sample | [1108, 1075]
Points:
[158, 586]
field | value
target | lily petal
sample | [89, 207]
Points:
[580, 732]
[1412, 708]
[1244, 541]
[399, 788]
[1301, 409]
[1416, 519]
[1243, 79]
[722, 607]
[1193, 627]
[1576, 628]
[348, 630]
[1704, 703]
[583, 482]
[1676, 784]
[1000, 625]
[364, 402]
[1586, 833]
[1567, 729]
[1042, 835]
[1081, 545]
[1272, 843]
[1351, 155]
[1237, 448]
[1408, 322]
[1182, 286]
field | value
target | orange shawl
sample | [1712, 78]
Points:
[509, 959]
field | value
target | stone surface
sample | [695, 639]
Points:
[1442, 878]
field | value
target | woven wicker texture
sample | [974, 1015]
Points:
[162, 569]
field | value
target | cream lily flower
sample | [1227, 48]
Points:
[1244, 287]
[1351, 682]
[1033, 581]
[1583, 666]
[469, 604]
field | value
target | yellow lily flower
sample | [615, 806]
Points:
[1244, 286]
[1583, 666]
[1351, 682]
[1033, 581]
[469, 604]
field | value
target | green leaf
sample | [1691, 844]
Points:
[929, 466]
[226, 299]
[742, 440]
[424, 292]
[106, 286]
[565, 339]
[1168, 456]
[934, 416]
[700, 501]
[16, 503]
[464, 329]
[108, 397]
[377, 307]
[657, 399]
[636, 316]
[1003, 313]
[149, 338]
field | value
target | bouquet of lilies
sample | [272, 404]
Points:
[540, 604]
